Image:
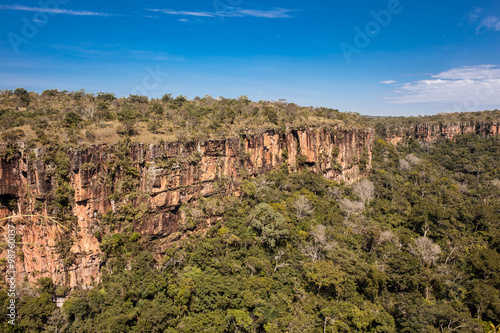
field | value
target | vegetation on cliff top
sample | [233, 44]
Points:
[78, 118]
[399, 125]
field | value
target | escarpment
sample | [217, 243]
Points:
[105, 189]
[430, 132]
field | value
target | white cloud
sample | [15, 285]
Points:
[482, 21]
[479, 72]
[275, 13]
[388, 82]
[231, 12]
[54, 10]
[468, 85]
[185, 13]
[490, 22]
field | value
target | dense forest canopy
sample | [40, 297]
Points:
[414, 247]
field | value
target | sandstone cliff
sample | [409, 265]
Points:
[430, 132]
[147, 184]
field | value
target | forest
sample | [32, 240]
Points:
[412, 247]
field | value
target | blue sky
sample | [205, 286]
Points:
[373, 57]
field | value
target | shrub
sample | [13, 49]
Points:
[138, 99]
[90, 135]
[301, 160]
[50, 92]
[72, 119]
[13, 136]
[23, 96]
[157, 109]
[166, 98]
[128, 128]
[153, 126]
[128, 112]
[104, 96]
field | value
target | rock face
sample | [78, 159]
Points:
[432, 132]
[147, 184]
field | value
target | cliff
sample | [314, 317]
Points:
[143, 186]
[431, 132]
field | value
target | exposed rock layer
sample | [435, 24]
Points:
[162, 176]
[430, 132]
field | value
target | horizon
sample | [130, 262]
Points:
[372, 58]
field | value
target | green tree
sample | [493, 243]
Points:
[72, 119]
[269, 224]
[23, 96]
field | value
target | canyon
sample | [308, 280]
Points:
[146, 184]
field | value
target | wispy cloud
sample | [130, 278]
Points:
[490, 23]
[483, 22]
[474, 15]
[54, 10]
[274, 13]
[184, 13]
[232, 12]
[458, 85]
[388, 82]
[113, 52]
[480, 72]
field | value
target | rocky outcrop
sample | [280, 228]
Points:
[147, 184]
[431, 132]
